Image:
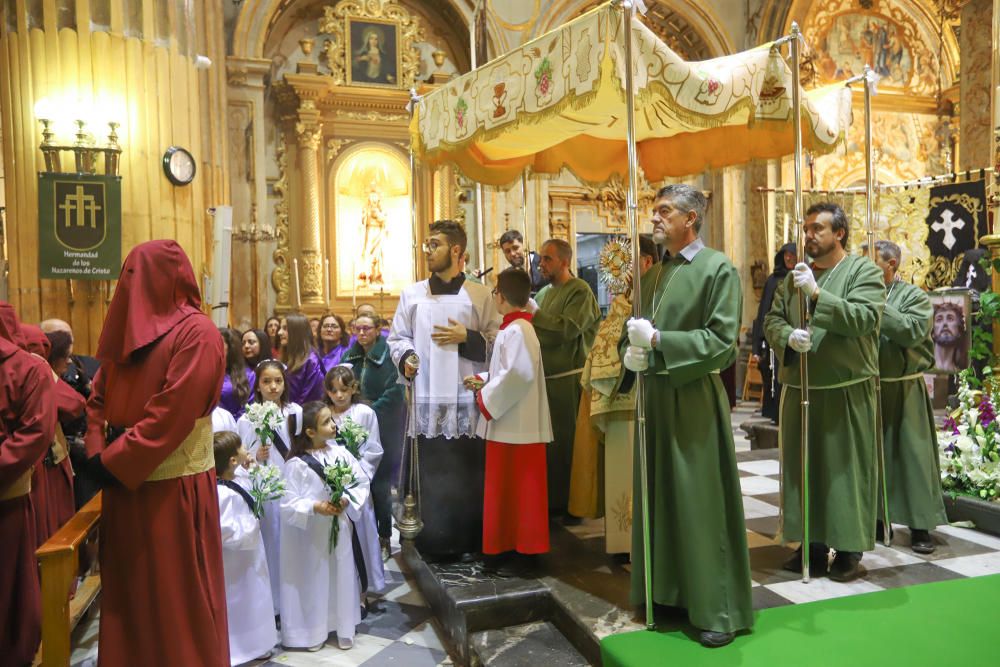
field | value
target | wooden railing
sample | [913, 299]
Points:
[59, 564]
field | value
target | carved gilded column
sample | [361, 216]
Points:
[309, 133]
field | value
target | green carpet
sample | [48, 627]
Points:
[944, 624]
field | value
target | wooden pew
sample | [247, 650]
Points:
[59, 562]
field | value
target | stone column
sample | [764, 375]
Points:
[309, 132]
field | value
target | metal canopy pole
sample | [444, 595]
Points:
[632, 216]
[869, 80]
[524, 219]
[794, 47]
[410, 523]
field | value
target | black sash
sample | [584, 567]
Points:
[230, 484]
[279, 443]
[359, 556]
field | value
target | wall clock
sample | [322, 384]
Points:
[178, 165]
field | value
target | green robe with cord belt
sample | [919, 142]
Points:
[842, 363]
[699, 545]
[566, 324]
[906, 351]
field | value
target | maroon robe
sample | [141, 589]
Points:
[52, 485]
[27, 425]
[163, 590]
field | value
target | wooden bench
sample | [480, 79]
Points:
[59, 563]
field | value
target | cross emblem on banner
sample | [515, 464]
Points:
[81, 204]
[947, 223]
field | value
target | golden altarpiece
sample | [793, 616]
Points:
[344, 227]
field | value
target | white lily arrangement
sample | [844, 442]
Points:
[969, 445]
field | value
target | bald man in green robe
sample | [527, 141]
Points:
[906, 352]
[566, 324]
[845, 296]
[691, 304]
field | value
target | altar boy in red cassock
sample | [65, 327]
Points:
[516, 427]
[27, 425]
[149, 437]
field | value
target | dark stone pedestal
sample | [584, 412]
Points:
[556, 617]
[984, 515]
[761, 433]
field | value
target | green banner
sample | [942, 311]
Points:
[79, 226]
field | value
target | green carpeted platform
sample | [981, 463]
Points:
[944, 624]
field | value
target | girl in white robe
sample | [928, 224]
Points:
[320, 590]
[252, 633]
[343, 395]
[270, 385]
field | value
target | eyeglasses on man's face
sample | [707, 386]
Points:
[432, 245]
[363, 329]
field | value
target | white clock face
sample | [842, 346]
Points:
[182, 166]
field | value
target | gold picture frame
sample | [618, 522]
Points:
[373, 54]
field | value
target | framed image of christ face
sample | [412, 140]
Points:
[951, 330]
[373, 53]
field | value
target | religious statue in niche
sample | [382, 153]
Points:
[373, 49]
[373, 220]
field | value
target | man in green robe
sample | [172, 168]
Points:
[909, 437]
[691, 304]
[844, 296]
[565, 323]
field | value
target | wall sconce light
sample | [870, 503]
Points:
[85, 149]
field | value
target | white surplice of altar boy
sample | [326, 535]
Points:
[448, 324]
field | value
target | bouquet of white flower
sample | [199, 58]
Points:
[970, 443]
[266, 419]
[340, 480]
[266, 484]
[352, 435]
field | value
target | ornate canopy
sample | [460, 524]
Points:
[558, 101]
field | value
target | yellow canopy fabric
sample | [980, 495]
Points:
[559, 102]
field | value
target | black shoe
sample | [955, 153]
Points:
[470, 557]
[846, 566]
[519, 566]
[819, 556]
[921, 542]
[710, 639]
[570, 520]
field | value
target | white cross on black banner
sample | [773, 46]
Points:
[956, 220]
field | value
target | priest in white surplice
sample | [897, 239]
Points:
[447, 325]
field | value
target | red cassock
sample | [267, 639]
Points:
[163, 591]
[27, 425]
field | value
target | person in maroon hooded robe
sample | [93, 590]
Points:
[27, 426]
[52, 483]
[149, 438]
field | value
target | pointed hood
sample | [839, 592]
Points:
[156, 290]
[36, 341]
[10, 331]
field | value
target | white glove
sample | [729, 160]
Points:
[800, 340]
[532, 306]
[802, 277]
[640, 333]
[636, 359]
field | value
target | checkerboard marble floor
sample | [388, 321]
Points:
[404, 633]
[961, 552]
[401, 633]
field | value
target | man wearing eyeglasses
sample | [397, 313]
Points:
[440, 335]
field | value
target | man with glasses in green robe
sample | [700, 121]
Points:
[844, 295]
[691, 305]
[906, 352]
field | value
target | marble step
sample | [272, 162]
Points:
[526, 645]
